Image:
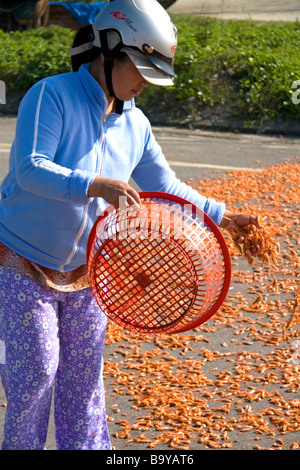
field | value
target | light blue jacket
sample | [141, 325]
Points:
[63, 140]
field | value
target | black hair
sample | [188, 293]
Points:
[86, 35]
[83, 36]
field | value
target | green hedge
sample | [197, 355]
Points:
[28, 56]
[246, 66]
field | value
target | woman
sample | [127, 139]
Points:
[79, 138]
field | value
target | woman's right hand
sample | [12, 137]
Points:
[113, 191]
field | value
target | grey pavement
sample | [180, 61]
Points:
[265, 10]
[197, 153]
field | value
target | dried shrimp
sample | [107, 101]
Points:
[258, 241]
[236, 377]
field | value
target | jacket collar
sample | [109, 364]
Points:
[94, 93]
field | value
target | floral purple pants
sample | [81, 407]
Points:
[47, 337]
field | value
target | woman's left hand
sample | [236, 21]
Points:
[235, 223]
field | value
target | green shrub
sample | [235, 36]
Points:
[246, 67]
[29, 56]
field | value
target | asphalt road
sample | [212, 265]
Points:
[192, 154]
[195, 153]
[265, 10]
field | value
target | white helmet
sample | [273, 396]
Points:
[144, 31]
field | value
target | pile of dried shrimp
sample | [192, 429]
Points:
[232, 383]
[257, 241]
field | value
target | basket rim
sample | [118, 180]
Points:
[212, 226]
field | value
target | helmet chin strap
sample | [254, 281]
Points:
[109, 56]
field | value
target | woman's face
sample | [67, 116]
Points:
[126, 79]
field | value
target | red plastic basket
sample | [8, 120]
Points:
[164, 268]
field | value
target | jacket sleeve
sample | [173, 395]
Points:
[38, 133]
[153, 173]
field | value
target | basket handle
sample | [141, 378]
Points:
[93, 233]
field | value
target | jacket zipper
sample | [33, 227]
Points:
[85, 215]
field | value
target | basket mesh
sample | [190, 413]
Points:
[164, 268]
